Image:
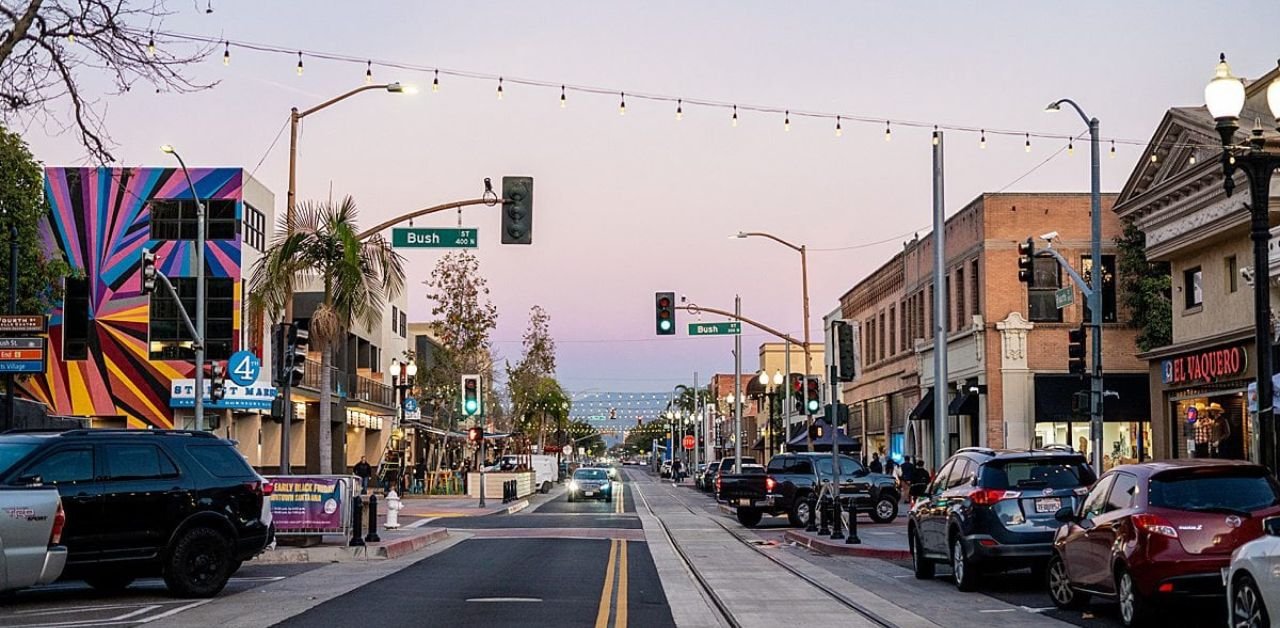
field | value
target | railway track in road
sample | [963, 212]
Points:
[721, 607]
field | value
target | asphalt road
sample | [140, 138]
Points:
[563, 564]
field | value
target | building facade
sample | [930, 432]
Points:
[1175, 196]
[1007, 381]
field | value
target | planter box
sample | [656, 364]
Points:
[493, 484]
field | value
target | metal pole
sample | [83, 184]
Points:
[1095, 300]
[1260, 169]
[940, 435]
[737, 388]
[696, 420]
[786, 399]
[834, 417]
[200, 273]
[808, 357]
[291, 196]
[481, 464]
[286, 422]
[13, 309]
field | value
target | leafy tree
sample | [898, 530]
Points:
[49, 47]
[531, 384]
[23, 205]
[464, 320]
[1145, 290]
[358, 276]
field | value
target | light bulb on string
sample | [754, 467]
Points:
[226, 53]
[299, 64]
[982, 139]
[71, 38]
[1113, 149]
[499, 88]
[786, 121]
[1154, 159]
[435, 82]
[735, 116]
[839, 131]
[1192, 160]
[368, 73]
[622, 103]
[679, 109]
[151, 44]
[935, 135]
[1028, 144]
[1071, 147]
[563, 102]
[888, 133]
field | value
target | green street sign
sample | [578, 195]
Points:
[728, 328]
[1063, 297]
[434, 238]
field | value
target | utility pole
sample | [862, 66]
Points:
[940, 435]
[1095, 300]
[737, 390]
[9, 402]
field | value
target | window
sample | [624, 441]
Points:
[962, 474]
[65, 467]
[778, 464]
[395, 319]
[175, 219]
[928, 311]
[973, 287]
[904, 335]
[1034, 474]
[881, 351]
[1108, 285]
[946, 296]
[893, 330]
[869, 341]
[138, 462]
[404, 324]
[75, 319]
[170, 339]
[848, 467]
[1047, 278]
[1122, 492]
[800, 465]
[940, 480]
[11, 453]
[1232, 269]
[255, 228]
[960, 309]
[1096, 503]
[1238, 491]
[1192, 287]
[221, 460]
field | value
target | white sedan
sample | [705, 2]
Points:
[1253, 580]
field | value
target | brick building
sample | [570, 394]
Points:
[1007, 377]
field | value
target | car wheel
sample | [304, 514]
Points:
[922, 567]
[798, 516]
[1134, 611]
[199, 563]
[1247, 608]
[886, 509]
[109, 583]
[963, 572]
[749, 517]
[546, 488]
[1060, 590]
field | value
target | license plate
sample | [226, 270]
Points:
[744, 502]
[1052, 504]
[588, 493]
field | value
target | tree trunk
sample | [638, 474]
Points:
[326, 411]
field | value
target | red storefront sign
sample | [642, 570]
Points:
[1205, 366]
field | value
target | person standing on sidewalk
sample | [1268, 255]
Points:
[363, 471]
[876, 466]
[906, 472]
[677, 469]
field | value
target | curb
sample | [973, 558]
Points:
[839, 548]
[343, 554]
[516, 507]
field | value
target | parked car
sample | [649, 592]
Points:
[698, 475]
[591, 483]
[544, 468]
[1252, 587]
[665, 470]
[31, 549]
[736, 487]
[1159, 531]
[792, 477]
[184, 505]
[990, 510]
[707, 479]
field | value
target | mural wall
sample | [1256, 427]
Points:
[100, 222]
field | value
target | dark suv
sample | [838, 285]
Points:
[991, 510]
[182, 505]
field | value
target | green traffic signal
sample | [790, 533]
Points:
[813, 405]
[665, 325]
[471, 406]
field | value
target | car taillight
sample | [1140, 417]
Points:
[268, 488]
[59, 522]
[989, 496]
[1154, 524]
[770, 484]
[717, 484]
[260, 489]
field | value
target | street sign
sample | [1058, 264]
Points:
[411, 405]
[23, 355]
[23, 324]
[1063, 297]
[244, 367]
[728, 328]
[689, 443]
[434, 238]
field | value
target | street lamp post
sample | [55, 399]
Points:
[1225, 98]
[402, 380]
[200, 237]
[1095, 298]
[804, 283]
[771, 392]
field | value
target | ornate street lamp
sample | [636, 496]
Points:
[1225, 98]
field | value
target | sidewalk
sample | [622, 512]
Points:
[887, 541]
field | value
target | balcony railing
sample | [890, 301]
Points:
[354, 387]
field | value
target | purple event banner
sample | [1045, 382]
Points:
[302, 503]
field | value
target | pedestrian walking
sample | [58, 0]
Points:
[876, 466]
[906, 473]
[676, 470]
[363, 471]
[890, 466]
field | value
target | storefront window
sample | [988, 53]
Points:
[1212, 427]
[1119, 439]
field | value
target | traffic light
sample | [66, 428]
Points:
[816, 431]
[218, 382]
[148, 271]
[813, 395]
[517, 210]
[295, 354]
[475, 435]
[472, 404]
[845, 350]
[1075, 350]
[797, 392]
[665, 313]
[1027, 261]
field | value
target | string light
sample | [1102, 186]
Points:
[679, 109]
[1071, 147]
[499, 88]
[888, 134]
[299, 63]
[1192, 160]
[435, 82]
[226, 53]
[71, 38]
[1154, 159]
[839, 131]
[935, 135]
[151, 44]
[368, 74]
[563, 102]
[1028, 145]
[786, 121]
[622, 104]
[982, 139]
[1113, 149]
[735, 116]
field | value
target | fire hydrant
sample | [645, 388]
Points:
[393, 511]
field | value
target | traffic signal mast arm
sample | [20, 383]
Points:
[186, 320]
[368, 233]
[1075, 277]
[697, 309]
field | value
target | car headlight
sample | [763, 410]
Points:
[573, 486]
[605, 488]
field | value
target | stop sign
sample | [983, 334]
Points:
[689, 442]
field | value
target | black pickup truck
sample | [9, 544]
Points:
[789, 480]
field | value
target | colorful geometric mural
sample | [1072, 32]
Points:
[100, 223]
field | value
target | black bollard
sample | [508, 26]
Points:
[357, 522]
[824, 511]
[812, 524]
[853, 524]
[836, 525]
[373, 537]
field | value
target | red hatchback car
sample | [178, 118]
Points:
[1159, 530]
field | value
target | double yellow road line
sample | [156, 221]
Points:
[617, 567]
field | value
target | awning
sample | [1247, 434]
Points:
[924, 409]
[964, 404]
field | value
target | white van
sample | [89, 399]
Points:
[546, 470]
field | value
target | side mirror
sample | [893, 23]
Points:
[1271, 526]
[1066, 514]
[919, 490]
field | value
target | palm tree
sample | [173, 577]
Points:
[358, 276]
